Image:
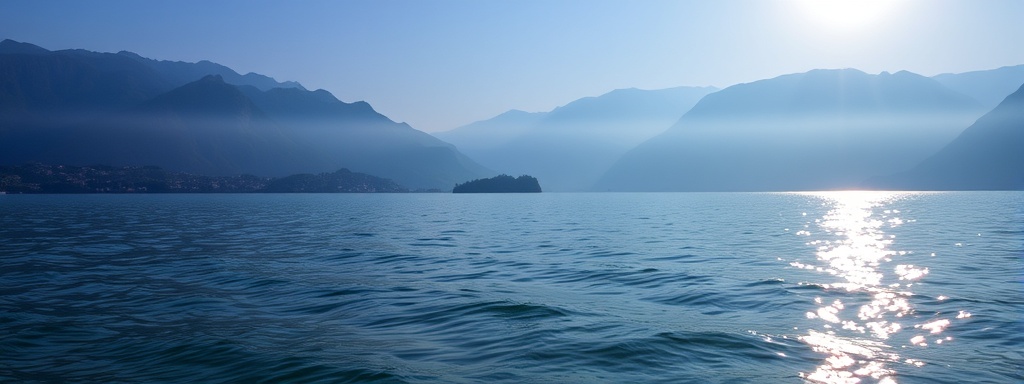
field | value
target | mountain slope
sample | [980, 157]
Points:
[571, 146]
[824, 129]
[42, 94]
[355, 136]
[988, 155]
[42, 82]
[206, 127]
[479, 138]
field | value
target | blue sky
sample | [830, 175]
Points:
[441, 64]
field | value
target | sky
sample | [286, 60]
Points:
[441, 64]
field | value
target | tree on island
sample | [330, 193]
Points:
[500, 184]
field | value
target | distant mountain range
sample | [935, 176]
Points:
[570, 147]
[824, 129]
[820, 130]
[79, 107]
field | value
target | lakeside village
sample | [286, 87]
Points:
[54, 179]
[42, 178]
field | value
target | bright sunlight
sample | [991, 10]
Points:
[846, 15]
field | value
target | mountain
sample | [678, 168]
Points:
[77, 84]
[572, 145]
[82, 108]
[42, 83]
[989, 87]
[206, 127]
[356, 136]
[43, 93]
[988, 155]
[819, 130]
[480, 138]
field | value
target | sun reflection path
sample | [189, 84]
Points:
[855, 250]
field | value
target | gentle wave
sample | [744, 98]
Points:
[543, 288]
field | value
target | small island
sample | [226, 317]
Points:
[500, 184]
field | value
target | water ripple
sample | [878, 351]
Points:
[423, 288]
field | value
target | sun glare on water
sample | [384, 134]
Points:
[846, 15]
[865, 313]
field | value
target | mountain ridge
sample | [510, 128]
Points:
[821, 129]
[174, 73]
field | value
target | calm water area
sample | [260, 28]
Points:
[832, 287]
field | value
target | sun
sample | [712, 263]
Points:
[846, 15]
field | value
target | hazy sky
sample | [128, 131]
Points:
[441, 64]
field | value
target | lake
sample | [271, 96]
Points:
[835, 287]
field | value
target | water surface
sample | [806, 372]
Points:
[686, 287]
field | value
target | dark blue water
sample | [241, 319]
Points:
[830, 287]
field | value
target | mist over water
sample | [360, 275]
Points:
[678, 287]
